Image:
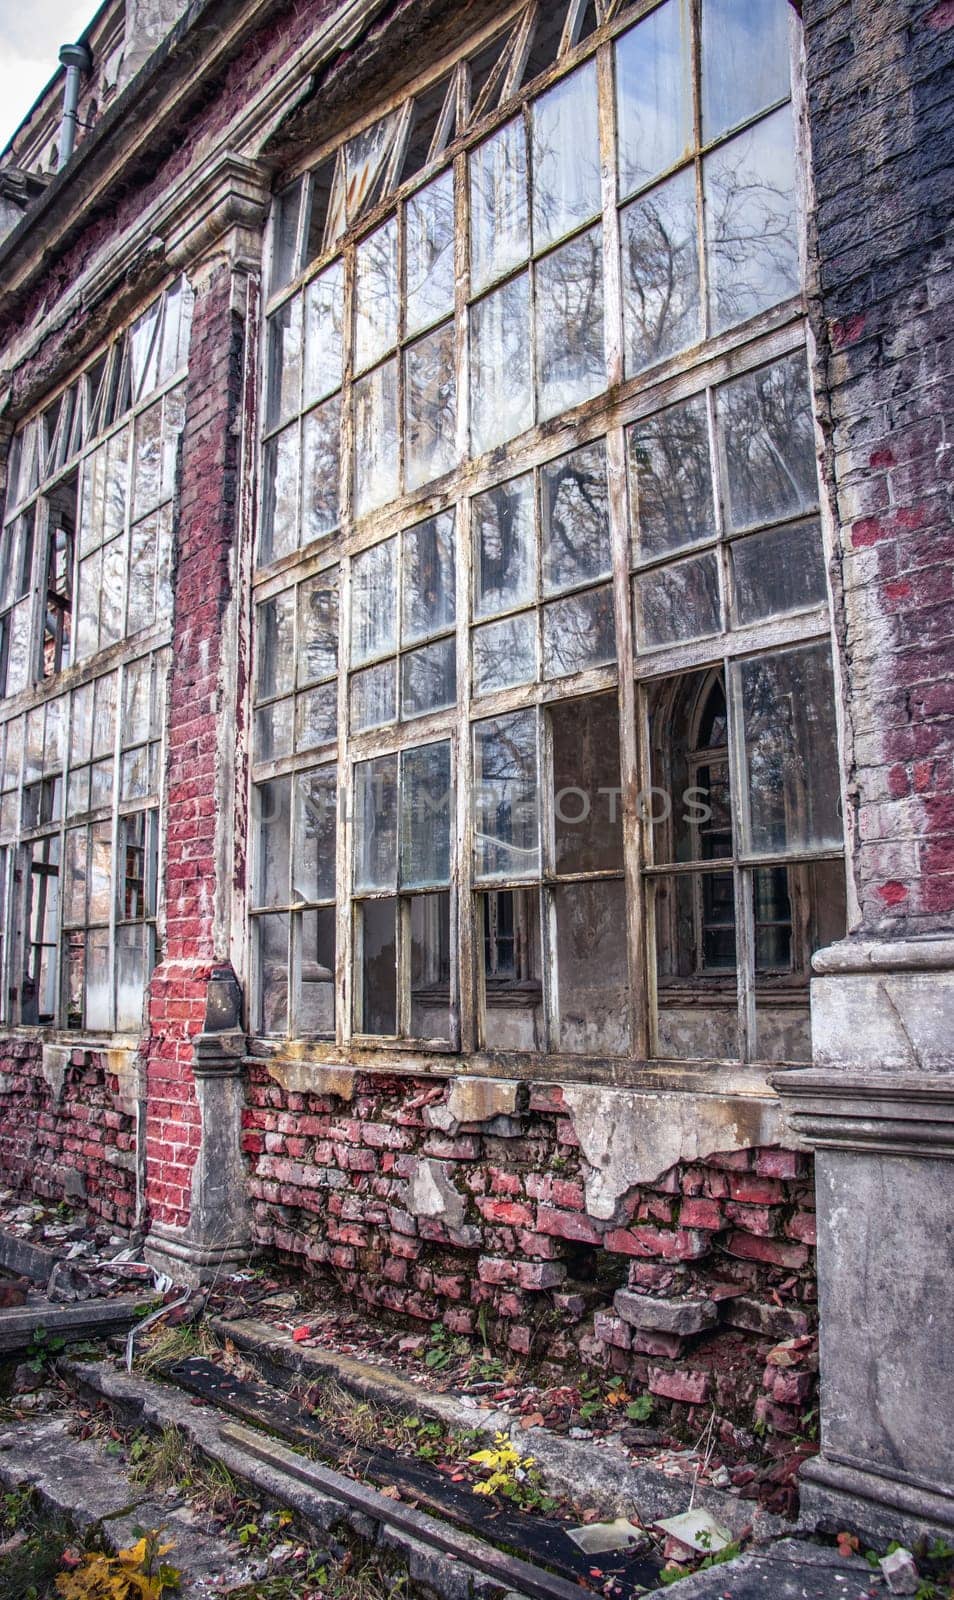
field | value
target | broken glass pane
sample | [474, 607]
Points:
[574, 513]
[318, 628]
[778, 571]
[430, 398]
[374, 602]
[426, 810]
[283, 387]
[678, 602]
[376, 437]
[428, 596]
[751, 231]
[315, 999]
[273, 807]
[280, 496]
[429, 264]
[320, 507]
[506, 797]
[505, 653]
[653, 95]
[592, 970]
[429, 679]
[791, 751]
[272, 942]
[366, 156]
[571, 360]
[376, 941]
[579, 632]
[587, 792]
[429, 920]
[373, 697]
[375, 824]
[376, 295]
[499, 231]
[324, 305]
[745, 62]
[504, 547]
[671, 480]
[660, 250]
[316, 815]
[501, 397]
[509, 940]
[769, 443]
[566, 164]
[143, 346]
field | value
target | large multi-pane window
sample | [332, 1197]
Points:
[85, 554]
[536, 401]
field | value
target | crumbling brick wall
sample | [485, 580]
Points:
[881, 100]
[516, 1256]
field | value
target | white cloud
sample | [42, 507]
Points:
[31, 32]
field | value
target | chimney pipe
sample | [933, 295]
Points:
[77, 60]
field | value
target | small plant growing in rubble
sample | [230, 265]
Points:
[43, 1350]
[511, 1475]
[138, 1573]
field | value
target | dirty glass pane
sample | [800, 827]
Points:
[579, 632]
[376, 437]
[366, 156]
[315, 997]
[429, 919]
[272, 941]
[14, 741]
[751, 232]
[374, 602]
[499, 231]
[284, 249]
[373, 697]
[429, 679]
[783, 1030]
[173, 422]
[280, 495]
[429, 254]
[114, 488]
[376, 295]
[653, 95]
[660, 263]
[164, 563]
[141, 584]
[504, 547]
[316, 814]
[18, 649]
[571, 359]
[778, 571]
[143, 346]
[104, 721]
[112, 598]
[791, 751]
[678, 602]
[130, 977]
[272, 803]
[100, 872]
[283, 384]
[375, 824]
[101, 784]
[316, 717]
[768, 439]
[696, 997]
[430, 398]
[501, 399]
[74, 883]
[426, 811]
[274, 731]
[574, 514]
[505, 653]
[745, 61]
[587, 794]
[671, 480]
[592, 970]
[322, 434]
[134, 782]
[147, 460]
[318, 628]
[137, 716]
[324, 306]
[276, 645]
[176, 327]
[566, 156]
[506, 797]
[376, 949]
[428, 578]
[508, 935]
[98, 1001]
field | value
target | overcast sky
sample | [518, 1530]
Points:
[31, 32]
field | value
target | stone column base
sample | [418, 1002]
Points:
[837, 1494]
[191, 1262]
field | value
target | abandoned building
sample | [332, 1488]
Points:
[476, 780]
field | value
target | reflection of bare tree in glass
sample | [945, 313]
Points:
[575, 518]
[429, 601]
[661, 272]
[750, 204]
[571, 358]
[504, 528]
[430, 678]
[322, 428]
[579, 632]
[769, 443]
[507, 792]
[431, 405]
[669, 459]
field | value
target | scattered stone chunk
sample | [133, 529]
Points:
[900, 1572]
[683, 1317]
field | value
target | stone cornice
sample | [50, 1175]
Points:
[933, 953]
[888, 1113]
[223, 209]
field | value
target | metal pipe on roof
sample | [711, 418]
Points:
[77, 60]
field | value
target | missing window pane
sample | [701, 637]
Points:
[315, 988]
[376, 950]
[696, 990]
[508, 932]
[587, 789]
[431, 1015]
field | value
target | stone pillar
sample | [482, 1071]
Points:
[878, 1109]
[195, 1181]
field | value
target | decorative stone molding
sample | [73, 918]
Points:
[888, 1007]
[892, 1113]
[221, 213]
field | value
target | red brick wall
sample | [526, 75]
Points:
[881, 99]
[329, 1191]
[83, 1132]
